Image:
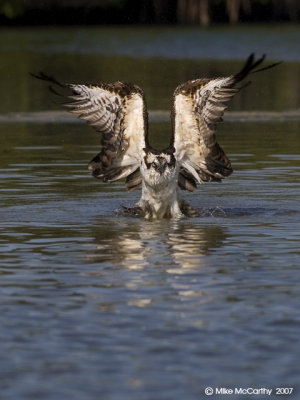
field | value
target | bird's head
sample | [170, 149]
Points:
[158, 167]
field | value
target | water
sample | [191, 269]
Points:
[97, 304]
[157, 59]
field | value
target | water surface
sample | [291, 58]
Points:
[157, 59]
[96, 304]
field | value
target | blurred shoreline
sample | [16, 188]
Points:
[155, 116]
[182, 12]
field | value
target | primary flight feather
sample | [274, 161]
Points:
[118, 111]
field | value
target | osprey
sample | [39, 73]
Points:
[118, 111]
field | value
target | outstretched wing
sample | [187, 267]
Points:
[118, 112]
[199, 106]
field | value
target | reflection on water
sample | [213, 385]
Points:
[190, 243]
[137, 244]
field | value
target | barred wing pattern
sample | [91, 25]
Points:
[199, 106]
[118, 112]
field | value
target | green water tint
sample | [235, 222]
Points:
[51, 159]
[90, 297]
[156, 59]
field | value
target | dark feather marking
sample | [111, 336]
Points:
[134, 180]
[268, 67]
[44, 77]
[112, 174]
[188, 210]
[112, 130]
[209, 108]
[186, 180]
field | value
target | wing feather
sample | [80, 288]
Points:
[118, 112]
[199, 105]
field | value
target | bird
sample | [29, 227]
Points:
[119, 112]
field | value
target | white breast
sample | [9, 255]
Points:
[160, 194]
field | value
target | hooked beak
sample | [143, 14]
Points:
[161, 168]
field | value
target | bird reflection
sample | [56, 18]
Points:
[190, 244]
[134, 243]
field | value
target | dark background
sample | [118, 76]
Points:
[186, 12]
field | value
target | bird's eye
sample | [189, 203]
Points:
[153, 165]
